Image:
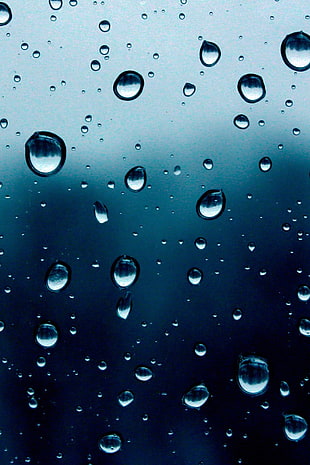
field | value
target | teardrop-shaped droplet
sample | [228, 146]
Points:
[5, 14]
[210, 53]
[208, 164]
[110, 443]
[265, 164]
[304, 327]
[211, 204]
[295, 427]
[124, 306]
[101, 212]
[284, 389]
[125, 271]
[125, 398]
[58, 277]
[143, 373]
[251, 87]
[189, 89]
[128, 85]
[295, 51]
[55, 4]
[45, 153]
[253, 375]
[241, 122]
[194, 276]
[47, 335]
[135, 179]
[196, 396]
[303, 293]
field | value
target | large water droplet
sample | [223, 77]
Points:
[194, 276]
[211, 204]
[253, 375]
[47, 335]
[58, 276]
[304, 327]
[128, 85]
[125, 271]
[55, 4]
[101, 212]
[110, 443]
[265, 164]
[135, 179]
[45, 153]
[295, 51]
[303, 293]
[241, 121]
[251, 87]
[124, 306]
[196, 396]
[295, 427]
[143, 373]
[125, 398]
[5, 14]
[189, 89]
[284, 389]
[210, 53]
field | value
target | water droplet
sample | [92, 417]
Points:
[200, 349]
[104, 49]
[194, 276]
[289, 103]
[5, 14]
[251, 87]
[128, 85]
[95, 65]
[251, 246]
[45, 153]
[295, 51]
[2, 326]
[253, 375]
[4, 123]
[304, 327]
[189, 89]
[143, 373]
[102, 365]
[200, 243]
[110, 443]
[125, 271]
[47, 335]
[265, 164]
[210, 53]
[208, 164]
[241, 121]
[124, 306]
[104, 25]
[58, 277]
[135, 179]
[196, 397]
[284, 389]
[303, 293]
[36, 54]
[177, 170]
[41, 362]
[211, 204]
[237, 314]
[296, 131]
[125, 398]
[295, 427]
[33, 403]
[101, 212]
[55, 4]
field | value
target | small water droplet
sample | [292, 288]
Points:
[128, 85]
[296, 131]
[110, 443]
[200, 243]
[102, 365]
[104, 25]
[125, 398]
[265, 164]
[47, 335]
[45, 153]
[304, 327]
[241, 121]
[55, 4]
[237, 314]
[284, 389]
[104, 49]
[177, 170]
[211, 204]
[36, 54]
[143, 373]
[2, 326]
[196, 397]
[251, 87]
[5, 14]
[289, 103]
[295, 427]
[208, 164]
[303, 293]
[4, 123]
[194, 276]
[58, 277]
[209, 54]
[189, 89]
[135, 179]
[295, 51]
[95, 65]
[253, 375]
[41, 362]
[124, 306]
[101, 212]
[251, 246]
[33, 403]
[125, 271]
[200, 349]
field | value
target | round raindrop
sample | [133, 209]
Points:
[265, 164]
[135, 179]
[211, 204]
[253, 375]
[124, 306]
[55, 4]
[237, 314]
[5, 14]
[58, 277]
[196, 397]
[209, 54]
[110, 443]
[104, 49]
[303, 293]
[189, 89]
[304, 327]
[101, 212]
[104, 26]
[200, 243]
[241, 122]
[284, 389]
[125, 398]
[95, 65]
[4, 123]
[125, 271]
[295, 51]
[143, 373]
[128, 85]
[45, 153]
[47, 335]
[295, 427]
[194, 276]
[251, 87]
[200, 349]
